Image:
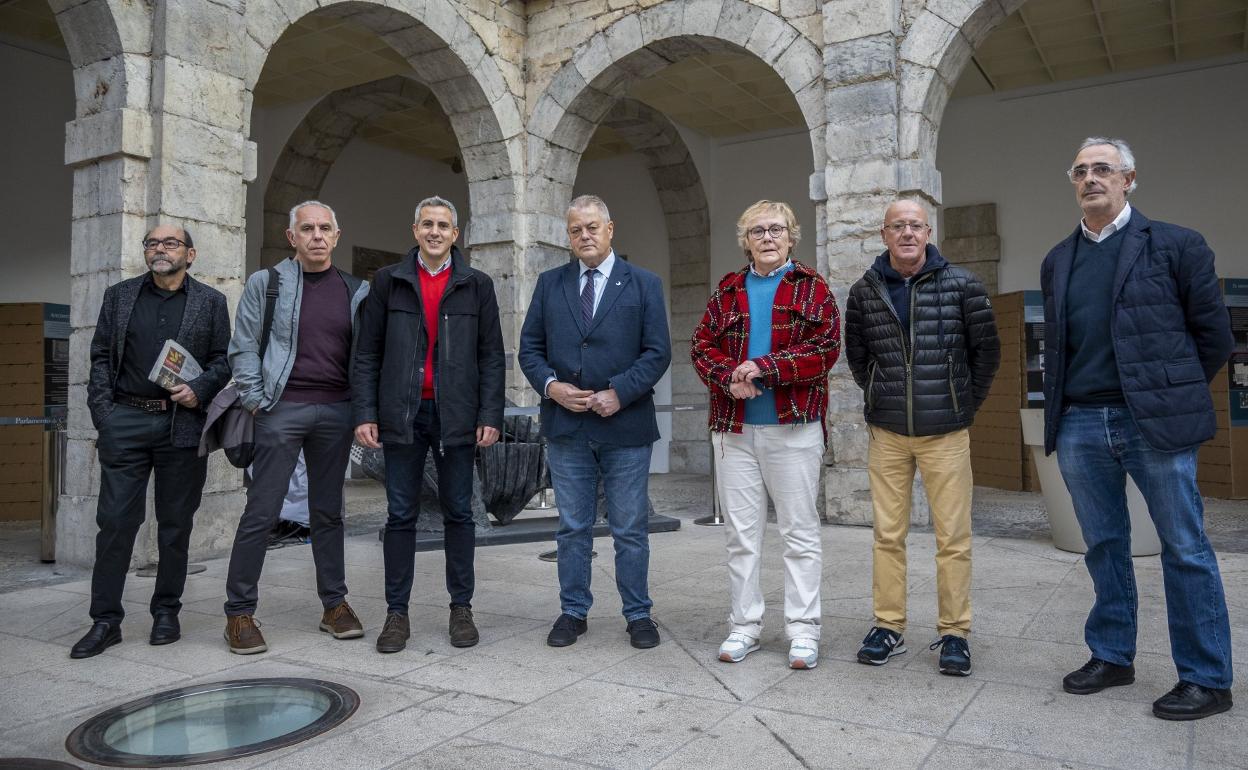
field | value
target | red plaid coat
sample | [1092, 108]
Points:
[805, 343]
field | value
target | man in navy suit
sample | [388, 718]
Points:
[594, 343]
[1135, 328]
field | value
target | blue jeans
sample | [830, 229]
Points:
[575, 468]
[405, 472]
[1096, 448]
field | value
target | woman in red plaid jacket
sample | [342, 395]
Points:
[770, 334]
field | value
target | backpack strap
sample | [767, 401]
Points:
[270, 302]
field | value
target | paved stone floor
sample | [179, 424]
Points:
[514, 702]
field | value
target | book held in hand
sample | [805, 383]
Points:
[175, 366]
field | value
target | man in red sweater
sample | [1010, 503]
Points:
[429, 375]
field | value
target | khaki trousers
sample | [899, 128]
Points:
[945, 462]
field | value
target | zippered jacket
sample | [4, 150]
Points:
[468, 359]
[261, 383]
[928, 379]
[805, 343]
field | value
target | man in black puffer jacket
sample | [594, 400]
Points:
[922, 343]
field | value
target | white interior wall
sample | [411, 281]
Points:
[37, 194]
[373, 189]
[1186, 129]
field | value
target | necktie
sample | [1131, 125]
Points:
[587, 296]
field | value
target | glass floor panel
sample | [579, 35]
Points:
[212, 722]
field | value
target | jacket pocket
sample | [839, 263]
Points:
[953, 385]
[1179, 372]
[875, 368]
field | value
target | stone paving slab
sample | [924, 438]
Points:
[514, 702]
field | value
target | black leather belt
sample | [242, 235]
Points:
[151, 405]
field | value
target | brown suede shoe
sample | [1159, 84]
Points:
[394, 633]
[243, 634]
[341, 622]
[463, 631]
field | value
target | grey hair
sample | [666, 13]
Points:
[582, 202]
[437, 200]
[1124, 152]
[295, 211]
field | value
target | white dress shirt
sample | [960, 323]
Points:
[1119, 222]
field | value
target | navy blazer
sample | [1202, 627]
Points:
[627, 347]
[1169, 327]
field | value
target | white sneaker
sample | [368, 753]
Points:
[804, 653]
[736, 647]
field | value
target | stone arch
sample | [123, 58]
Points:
[449, 57]
[107, 56]
[936, 49]
[636, 46]
[315, 145]
[687, 216]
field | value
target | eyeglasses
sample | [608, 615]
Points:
[775, 231]
[169, 243]
[1098, 170]
[897, 228]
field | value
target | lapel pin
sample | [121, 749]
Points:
[619, 283]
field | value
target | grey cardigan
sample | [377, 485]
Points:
[260, 384]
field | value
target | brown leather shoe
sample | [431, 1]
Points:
[243, 634]
[394, 633]
[463, 630]
[341, 622]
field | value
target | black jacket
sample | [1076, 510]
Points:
[931, 378]
[468, 370]
[205, 332]
[1169, 328]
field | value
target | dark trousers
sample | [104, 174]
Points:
[405, 469]
[132, 443]
[323, 432]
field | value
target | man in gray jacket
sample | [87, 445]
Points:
[301, 396]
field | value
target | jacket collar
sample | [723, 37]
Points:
[408, 270]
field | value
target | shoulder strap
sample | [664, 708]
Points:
[270, 302]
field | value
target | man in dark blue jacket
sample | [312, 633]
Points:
[1139, 405]
[594, 344]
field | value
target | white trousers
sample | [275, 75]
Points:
[780, 461]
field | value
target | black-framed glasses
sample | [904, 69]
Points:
[169, 243]
[1098, 170]
[897, 228]
[775, 231]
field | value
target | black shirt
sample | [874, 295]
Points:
[156, 317]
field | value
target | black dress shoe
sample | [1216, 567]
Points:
[567, 628]
[1096, 675]
[101, 636]
[643, 633]
[165, 629]
[1191, 701]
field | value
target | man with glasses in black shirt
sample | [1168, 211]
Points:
[143, 427]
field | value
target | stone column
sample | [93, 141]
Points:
[867, 169]
[108, 144]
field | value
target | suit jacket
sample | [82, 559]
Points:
[1169, 328]
[205, 332]
[627, 347]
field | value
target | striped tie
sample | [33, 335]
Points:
[587, 297]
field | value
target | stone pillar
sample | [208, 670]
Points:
[866, 170]
[108, 144]
[971, 241]
[180, 158]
